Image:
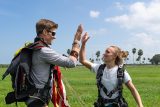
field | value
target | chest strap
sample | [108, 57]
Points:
[120, 76]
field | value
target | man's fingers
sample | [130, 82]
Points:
[80, 28]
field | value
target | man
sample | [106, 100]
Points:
[45, 57]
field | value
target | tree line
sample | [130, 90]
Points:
[4, 65]
[154, 60]
[139, 59]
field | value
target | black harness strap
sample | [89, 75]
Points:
[98, 77]
[120, 76]
[48, 87]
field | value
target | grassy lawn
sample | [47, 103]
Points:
[82, 91]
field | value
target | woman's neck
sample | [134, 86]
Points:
[110, 65]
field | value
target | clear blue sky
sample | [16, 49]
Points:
[126, 23]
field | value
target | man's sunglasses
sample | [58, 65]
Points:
[53, 33]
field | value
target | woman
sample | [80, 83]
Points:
[113, 58]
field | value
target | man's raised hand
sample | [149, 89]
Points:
[78, 33]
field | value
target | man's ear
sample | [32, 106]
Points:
[44, 32]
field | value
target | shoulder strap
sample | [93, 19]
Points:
[98, 77]
[120, 77]
[16, 60]
[100, 71]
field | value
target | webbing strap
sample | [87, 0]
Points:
[98, 77]
[120, 76]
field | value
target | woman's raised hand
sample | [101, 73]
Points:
[85, 38]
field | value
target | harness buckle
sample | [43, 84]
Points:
[120, 73]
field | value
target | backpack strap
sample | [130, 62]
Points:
[15, 61]
[47, 86]
[98, 77]
[120, 77]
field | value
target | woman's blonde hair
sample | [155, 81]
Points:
[120, 55]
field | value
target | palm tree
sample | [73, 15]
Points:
[138, 59]
[140, 53]
[149, 59]
[97, 55]
[144, 59]
[68, 51]
[133, 51]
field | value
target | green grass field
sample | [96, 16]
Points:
[82, 91]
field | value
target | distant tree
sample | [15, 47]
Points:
[144, 59]
[155, 59]
[98, 55]
[149, 60]
[4, 65]
[138, 59]
[68, 51]
[133, 51]
[140, 53]
[92, 60]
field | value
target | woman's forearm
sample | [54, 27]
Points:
[82, 54]
[137, 97]
[82, 57]
[135, 93]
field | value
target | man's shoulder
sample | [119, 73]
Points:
[44, 49]
[47, 50]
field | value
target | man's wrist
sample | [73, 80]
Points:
[74, 54]
[76, 43]
[77, 36]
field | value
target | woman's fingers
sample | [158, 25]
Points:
[85, 37]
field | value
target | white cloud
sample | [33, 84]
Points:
[98, 32]
[119, 5]
[147, 42]
[144, 39]
[94, 14]
[140, 15]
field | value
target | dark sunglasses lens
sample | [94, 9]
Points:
[53, 33]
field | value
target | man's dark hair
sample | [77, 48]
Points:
[45, 24]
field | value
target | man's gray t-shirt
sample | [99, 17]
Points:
[41, 61]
